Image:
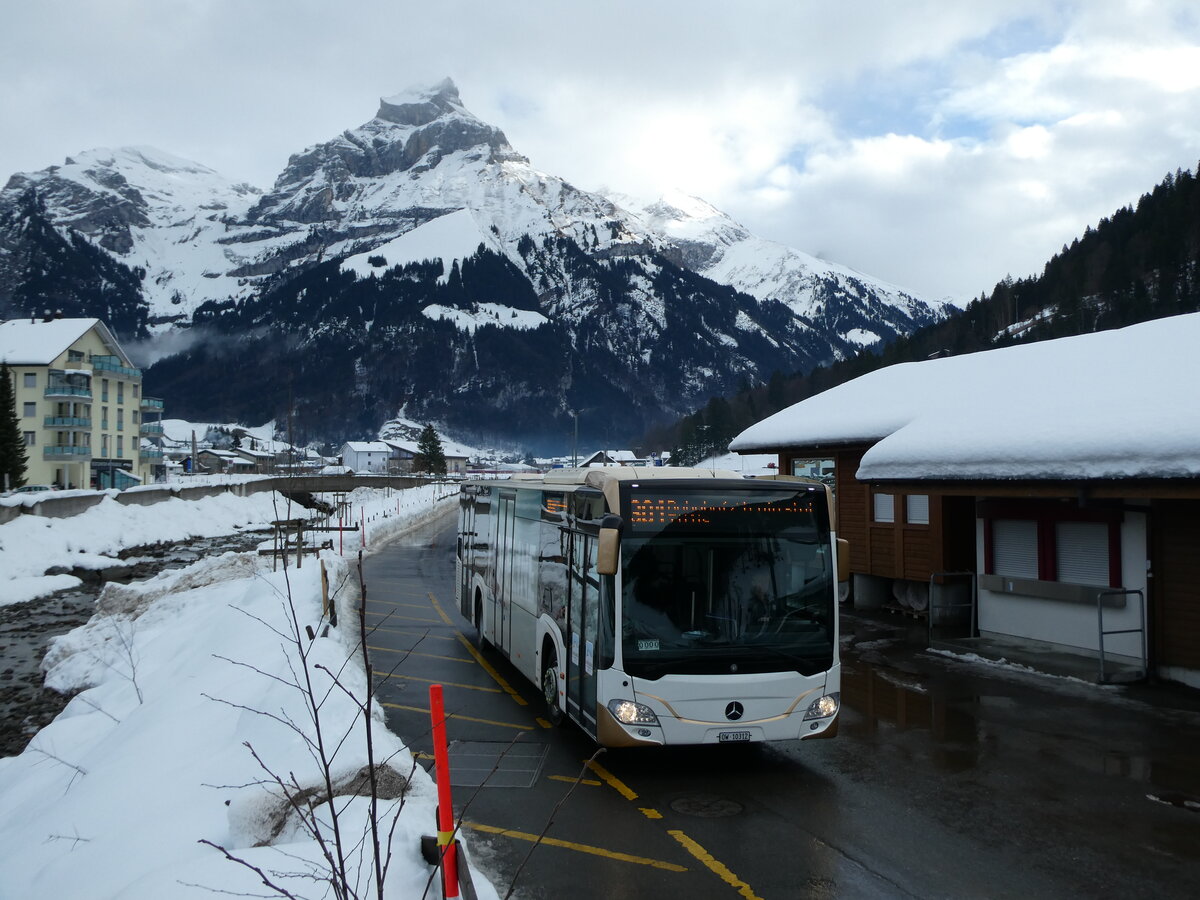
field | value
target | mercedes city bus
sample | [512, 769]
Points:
[660, 605]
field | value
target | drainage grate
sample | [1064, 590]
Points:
[706, 806]
[496, 763]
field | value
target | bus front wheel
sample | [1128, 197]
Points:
[550, 689]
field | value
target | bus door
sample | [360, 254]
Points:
[502, 596]
[466, 555]
[582, 632]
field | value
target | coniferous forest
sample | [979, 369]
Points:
[1141, 263]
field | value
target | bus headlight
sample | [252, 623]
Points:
[823, 707]
[629, 713]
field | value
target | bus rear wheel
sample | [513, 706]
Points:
[550, 689]
[480, 641]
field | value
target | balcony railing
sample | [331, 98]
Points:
[150, 454]
[59, 451]
[62, 389]
[152, 428]
[67, 422]
[151, 403]
[113, 364]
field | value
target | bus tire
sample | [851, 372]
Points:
[550, 686]
[480, 641]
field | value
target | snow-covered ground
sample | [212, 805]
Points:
[182, 684]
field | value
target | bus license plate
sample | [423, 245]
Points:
[725, 737]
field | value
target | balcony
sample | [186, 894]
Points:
[152, 403]
[67, 422]
[151, 428]
[113, 364]
[150, 454]
[66, 452]
[64, 389]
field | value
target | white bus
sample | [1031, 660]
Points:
[660, 605]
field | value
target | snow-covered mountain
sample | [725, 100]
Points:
[423, 235]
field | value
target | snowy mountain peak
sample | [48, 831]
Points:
[419, 106]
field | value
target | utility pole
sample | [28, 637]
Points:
[575, 441]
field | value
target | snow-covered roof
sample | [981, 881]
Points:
[1115, 404]
[450, 450]
[26, 343]
[366, 447]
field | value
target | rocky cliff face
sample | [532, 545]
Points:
[427, 264]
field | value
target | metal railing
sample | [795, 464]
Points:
[1141, 629]
[152, 428]
[62, 389]
[113, 364]
[67, 422]
[57, 451]
[151, 403]
[150, 454]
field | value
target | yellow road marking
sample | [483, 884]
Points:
[713, 864]
[413, 633]
[441, 612]
[470, 687]
[491, 670]
[649, 813]
[398, 603]
[579, 848]
[459, 716]
[390, 617]
[542, 722]
[613, 781]
[462, 659]
[570, 779]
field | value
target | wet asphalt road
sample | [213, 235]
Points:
[946, 779]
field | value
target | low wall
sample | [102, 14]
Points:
[71, 503]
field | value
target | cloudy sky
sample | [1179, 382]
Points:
[936, 145]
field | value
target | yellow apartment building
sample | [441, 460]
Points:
[83, 415]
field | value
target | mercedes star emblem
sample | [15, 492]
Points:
[734, 711]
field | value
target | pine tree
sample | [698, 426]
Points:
[13, 461]
[430, 455]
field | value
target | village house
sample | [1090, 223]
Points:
[1052, 489]
[83, 416]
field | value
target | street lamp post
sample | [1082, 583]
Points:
[575, 440]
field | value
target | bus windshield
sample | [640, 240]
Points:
[740, 581]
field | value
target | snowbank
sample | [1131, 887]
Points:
[183, 683]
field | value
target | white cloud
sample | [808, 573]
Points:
[937, 146]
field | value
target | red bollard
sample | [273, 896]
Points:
[445, 808]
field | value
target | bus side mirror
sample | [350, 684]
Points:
[843, 550]
[608, 553]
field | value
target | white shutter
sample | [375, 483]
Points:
[885, 508]
[1014, 548]
[916, 510]
[1082, 552]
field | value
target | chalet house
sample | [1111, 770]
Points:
[79, 401]
[224, 462]
[1059, 482]
[404, 452]
[605, 458]
[366, 456]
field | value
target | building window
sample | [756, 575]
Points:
[1081, 552]
[30, 379]
[133, 416]
[30, 438]
[916, 509]
[1015, 548]
[885, 507]
[120, 392]
[104, 389]
[120, 419]
[136, 389]
[104, 418]
[74, 356]
[120, 446]
[104, 445]
[30, 410]
[1052, 542]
